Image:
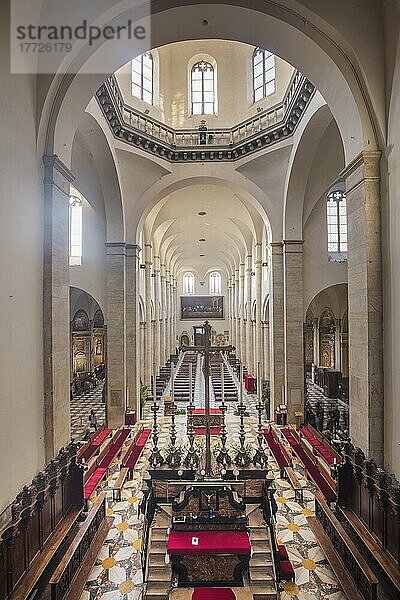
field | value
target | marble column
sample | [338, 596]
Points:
[142, 326]
[237, 314]
[115, 319]
[163, 342]
[249, 345]
[56, 317]
[133, 350]
[258, 328]
[266, 362]
[175, 313]
[293, 326]
[276, 323]
[148, 351]
[365, 304]
[157, 314]
[242, 315]
[168, 313]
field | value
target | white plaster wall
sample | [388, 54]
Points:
[90, 276]
[21, 223]
[234, 65]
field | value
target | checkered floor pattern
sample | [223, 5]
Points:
[80, 411]
[315, 395]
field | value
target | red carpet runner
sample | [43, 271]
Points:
[213, 594]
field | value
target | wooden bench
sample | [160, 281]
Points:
[375, 548]
[295, 483]
[354, 574]
[118, 485]
[70, 576]
[42, 561]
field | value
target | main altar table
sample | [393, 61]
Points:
[218, 557]
[209, 542]
[199, 417]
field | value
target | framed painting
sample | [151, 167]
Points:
[202, 307]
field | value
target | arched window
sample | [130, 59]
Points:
[142, 77]
[215, 283]
[263, 74]
[188, 283]
[75, 230]
[336, 216]
[203, 89]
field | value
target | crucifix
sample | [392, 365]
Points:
[207, 351]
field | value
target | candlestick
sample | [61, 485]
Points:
[260, 457]
[155, 459]
[223, 457]
[191, 459]
[242, 458]
[173, 457]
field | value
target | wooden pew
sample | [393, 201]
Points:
[44, 516]
[369, 540]
[354, 574]
[119, 483]
[70, 576]
[295, 483]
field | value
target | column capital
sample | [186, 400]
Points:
[132, 250]
[115, 248]
[276, 248]
[293, 246]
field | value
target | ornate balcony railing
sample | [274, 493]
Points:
[191, 145]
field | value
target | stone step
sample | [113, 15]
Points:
[160, 574]
[158, 534]
[166, 509]
[259, 533]
[262, 573]
[260, 559]
[260, 545]
[156, 559]
[263, 591]
[162, 519]
[256, 519]
[158, 547]
[157, 590]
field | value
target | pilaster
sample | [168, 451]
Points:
[365, 304]
[276, 325]
[56, 317]
[293, 326]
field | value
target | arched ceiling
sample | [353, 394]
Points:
[229, 226]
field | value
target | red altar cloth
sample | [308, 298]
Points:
[213, 594]
[210, 542]
[201, 411]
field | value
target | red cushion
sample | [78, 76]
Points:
[213, 594]
[283, 555]
[287, 571]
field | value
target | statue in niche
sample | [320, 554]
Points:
[99, 348]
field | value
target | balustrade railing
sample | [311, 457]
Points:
[218, 137]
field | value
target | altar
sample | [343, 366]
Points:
[199, 417]
[209, 543]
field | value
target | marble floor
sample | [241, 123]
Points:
[117, 573]
[80, 410]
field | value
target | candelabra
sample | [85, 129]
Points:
[223, 457]
[242, 458]
[155, 459]
[191, 459]
[260, 458]
[173, 457]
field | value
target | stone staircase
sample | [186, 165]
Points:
[262, 580]
[261, 584]
[159, 573]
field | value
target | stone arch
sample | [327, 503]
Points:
[315, 46]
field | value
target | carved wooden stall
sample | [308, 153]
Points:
[369, 500]
[209, 544]
[43, 516]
